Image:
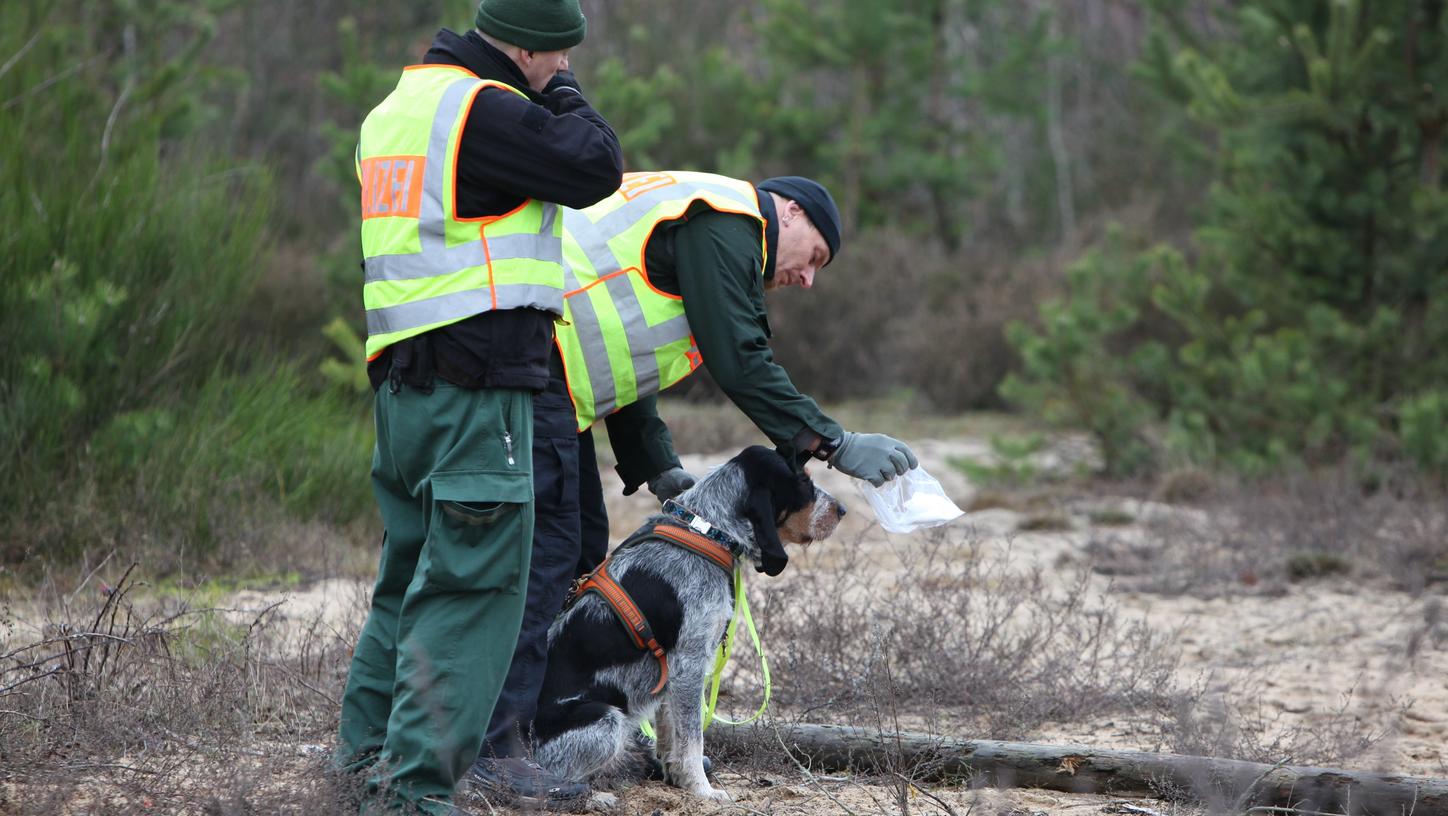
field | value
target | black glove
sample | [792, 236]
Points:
[563, 81]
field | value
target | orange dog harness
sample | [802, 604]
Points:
[628, 613]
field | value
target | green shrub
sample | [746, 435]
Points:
[130, 252]
[208, 477]
[350, 372]
[1073, 372]
[1302, 566]
[1423, 424]
[1111, 518]
[1011, 463]
[1044, 523]
[269, 430]
[1312, 300]
[132, 387]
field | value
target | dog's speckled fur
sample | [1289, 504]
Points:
[597, 687]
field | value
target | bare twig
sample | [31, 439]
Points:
[114, 766]
[71, 597]
[260, 615]
[24, 49]
[201, 748]
[113, 603]
[60, 77]
[128, 38]
[810, 777]
[111, 123]
[1246, 796]
[113, 597]
[23, 714]
[291, 675]
[10, 689]
[923, 791]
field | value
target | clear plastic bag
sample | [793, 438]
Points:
[910, 502]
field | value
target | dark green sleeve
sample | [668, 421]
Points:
[718, 258]
[641, 443]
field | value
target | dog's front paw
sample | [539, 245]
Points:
[717, 794]
[600, 802]
[678, 776]
[691, 778]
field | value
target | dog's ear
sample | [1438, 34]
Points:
[759, 509]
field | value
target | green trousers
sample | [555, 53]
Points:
[453, 477]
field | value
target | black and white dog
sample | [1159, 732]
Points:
[600, 684]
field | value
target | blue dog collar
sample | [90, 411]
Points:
[700, 525]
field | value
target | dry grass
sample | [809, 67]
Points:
[1229, 720]
[128, 705]
[959, 630]
[1262, 537]
[964, 640]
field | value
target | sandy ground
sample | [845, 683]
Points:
[1320, 648]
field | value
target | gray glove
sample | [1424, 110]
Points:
[876, 458]
[671, 483]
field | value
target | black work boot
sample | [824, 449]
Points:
[522, 782]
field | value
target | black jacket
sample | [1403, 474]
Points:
[552, 147]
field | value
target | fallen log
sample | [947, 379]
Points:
[1216, 783]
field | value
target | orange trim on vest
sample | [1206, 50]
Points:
[580, 290]
[421, 66]
[643, 266]
[458, 149]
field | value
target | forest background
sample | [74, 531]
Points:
[1211, 233]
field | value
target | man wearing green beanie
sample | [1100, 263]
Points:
[464, 168]
[533, 25]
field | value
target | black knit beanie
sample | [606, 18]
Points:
[533, 25]
[816, 202]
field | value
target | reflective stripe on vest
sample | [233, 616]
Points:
[426, 267]
[625, 339]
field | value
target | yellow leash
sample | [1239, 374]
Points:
[721, 659]
[726, 650]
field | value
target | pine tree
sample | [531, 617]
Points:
[1310, 316]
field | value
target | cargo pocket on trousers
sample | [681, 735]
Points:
[479, 536]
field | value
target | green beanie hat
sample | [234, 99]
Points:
[533, 25]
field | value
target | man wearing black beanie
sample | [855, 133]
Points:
[718, 246]
[719, 258]
[715, 261]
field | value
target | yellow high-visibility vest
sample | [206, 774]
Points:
[622, 338]
[425, 266]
